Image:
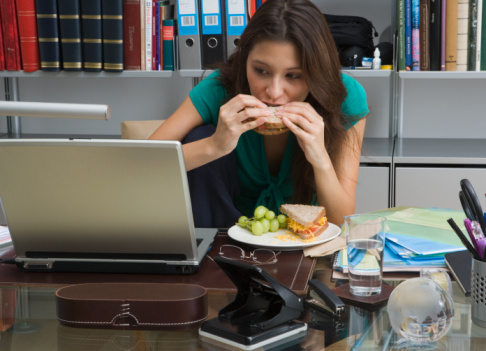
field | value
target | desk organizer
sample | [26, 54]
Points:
[132, 306]
[478, 293]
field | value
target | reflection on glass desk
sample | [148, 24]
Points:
[28, 322]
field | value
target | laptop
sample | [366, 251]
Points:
[87, 205]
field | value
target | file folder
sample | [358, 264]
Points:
[189, 41]
[236, 14]
[213, 47]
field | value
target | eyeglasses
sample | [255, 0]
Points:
[258, 256]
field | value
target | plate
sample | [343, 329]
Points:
[270, 240]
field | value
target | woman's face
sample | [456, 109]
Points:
[274, 73]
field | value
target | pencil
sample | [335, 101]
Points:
[463, 239]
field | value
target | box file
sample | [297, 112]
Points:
[236, 19]
[189, 41]
[213, 48]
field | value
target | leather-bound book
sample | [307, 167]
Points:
[92, 35]
[48, 35]
[10, 35]
[70, 34]
[112, 22]
[2, 53]
[132, 35]
[29, 48]
[424, 30]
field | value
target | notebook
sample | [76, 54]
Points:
[97, 205]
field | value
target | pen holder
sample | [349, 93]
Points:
[478, 293]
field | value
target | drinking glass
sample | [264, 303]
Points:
[365, 242]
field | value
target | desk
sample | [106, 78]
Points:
[36, 327]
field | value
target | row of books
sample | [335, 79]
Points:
[441, 35]
[89, 35]
[117, 35]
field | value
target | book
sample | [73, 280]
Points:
[408, 35]
[48, 35]
[168, 44]
[424, 31]
[29, 48]
[462, 34]
[132, 35]
[435, 35]
[443, 30]
[482, 64]
[472, 35]
[10, 36]
[452, 35]
[165, 11]
[415, 35]
[69, 14]
[112, 24]
[148, 35]
[92, 35]
[460, 266]
[401, 34]
[2, 53]
[154, 36]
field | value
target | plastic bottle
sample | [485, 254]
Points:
[377, 60]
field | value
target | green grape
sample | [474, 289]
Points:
[257, 228]
[260, 212]
[282, 220]
[274, 225]
[266, 224]
[243, 221]
[250, 223]
[270, 215]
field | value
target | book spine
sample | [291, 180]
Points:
[462, 34]
[154, 36]
[131, 28]
[92, 35]
[452, 34]
[159, 61]
[472, 35]
[168, 44]
[482, 65]
[479, 31]
[401, 35]
[415, 35]
[435, 34]
[424, 27]
[29, 48]
[48, 34]
[10, 36]
[112, 24]
[148, 35]
[70, 34]
[2, 53]
[408, 35]
[443, 29]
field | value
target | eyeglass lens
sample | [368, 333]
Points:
[236, 253]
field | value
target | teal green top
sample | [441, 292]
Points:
[257, 185]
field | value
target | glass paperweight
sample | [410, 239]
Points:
[420, 310]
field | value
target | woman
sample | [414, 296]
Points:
[286, 57]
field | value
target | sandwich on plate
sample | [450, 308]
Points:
[305, 220]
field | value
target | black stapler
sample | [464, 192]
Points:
[331, 310]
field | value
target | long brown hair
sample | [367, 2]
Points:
[300, 23]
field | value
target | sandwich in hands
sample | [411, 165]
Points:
[273, 125]
[304, 220]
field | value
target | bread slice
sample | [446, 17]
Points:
[273, 125]
[305, 215]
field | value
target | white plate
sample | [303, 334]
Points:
[270, 240]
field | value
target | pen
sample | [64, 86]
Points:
[470, 230]
[463, 239]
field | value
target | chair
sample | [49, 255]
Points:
[140, 130]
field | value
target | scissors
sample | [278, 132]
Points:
[471, 205]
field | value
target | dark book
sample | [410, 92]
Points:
[92, 35]
[2, 54]
[460, 266]
[435, 35]
[29, 48]
[10, 35]
[132, 34]
[424, 30]
[48, 34]
[70, 34]
[472, 36]
[401, 34]
[112, 24]
[168, 44]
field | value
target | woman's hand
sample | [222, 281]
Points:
[233, 122]
[308, 127]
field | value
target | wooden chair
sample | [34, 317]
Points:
[140, 130]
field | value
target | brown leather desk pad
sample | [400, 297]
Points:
[292, 270]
